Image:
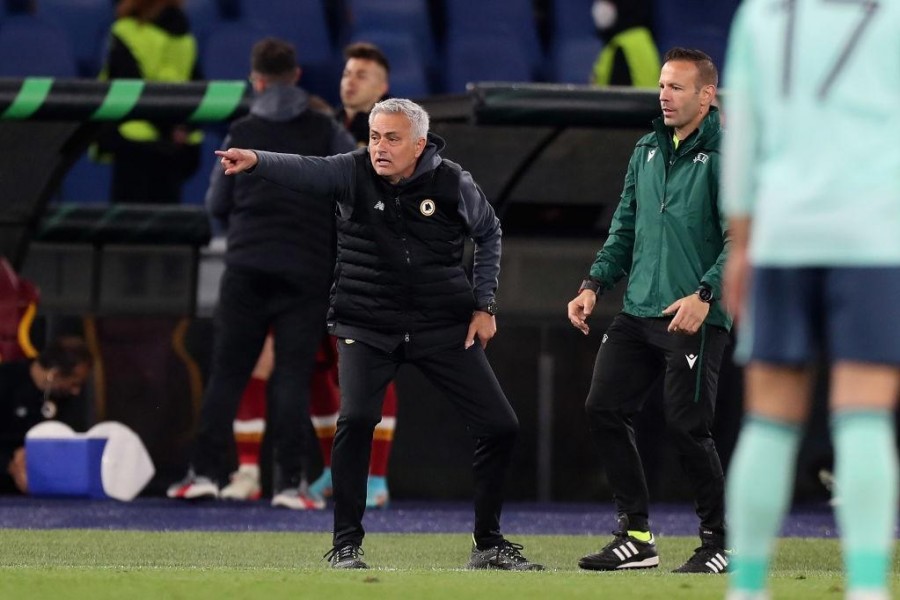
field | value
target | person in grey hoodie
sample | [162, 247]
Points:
[279, 263]
[400, 296]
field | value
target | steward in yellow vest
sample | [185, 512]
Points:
[151, 40]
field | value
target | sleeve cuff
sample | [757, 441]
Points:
[590, 284]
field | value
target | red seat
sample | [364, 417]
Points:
[18, 304]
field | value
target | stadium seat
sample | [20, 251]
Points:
[485, 58]
[408, 79]
[304, 24]
[194, 190]
[225, 53]
[204, 16]
[499, 19]
[86, 182]
[709, 39]
[87, 24]
[573, 59]
[40, 49]
[700, 24]
[408, 18]
[572, 19]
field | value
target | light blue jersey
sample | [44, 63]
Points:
[812, 139]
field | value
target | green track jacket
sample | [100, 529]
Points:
[667, 234]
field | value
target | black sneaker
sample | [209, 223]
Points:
[346, 557]
[624, 552]
[706, 559]
[505, 556]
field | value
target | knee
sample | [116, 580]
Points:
[687, 439]
[506, 428]
[357, 421]
[602, 418]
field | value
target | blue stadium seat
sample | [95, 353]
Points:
[700, 24]
[496, 18]
[304, 24]
[40, 48]
[572, 19]
[408, 79]
[709, 39]
[409, 18]
[225, 53]
[87, 23]
[573, 58]
[484, 58]
[86, 182]
[194, 190]
[204, 16]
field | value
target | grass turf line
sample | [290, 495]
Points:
[72, 564]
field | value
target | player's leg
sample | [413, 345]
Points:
[779, 337]
[249, 428]
[865, 381]
[324, 406]
[377, 495]
[240, 331]
[297, 328]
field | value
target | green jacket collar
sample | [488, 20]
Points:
[704, 136]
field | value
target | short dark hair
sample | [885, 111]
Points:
[367, 51]
[65, 353]
[273, 57]
[709, 75]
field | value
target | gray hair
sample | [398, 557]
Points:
[418, 118]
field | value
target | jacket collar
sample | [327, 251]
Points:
[709, 129]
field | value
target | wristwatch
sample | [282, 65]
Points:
[490, 308]
[705, 293]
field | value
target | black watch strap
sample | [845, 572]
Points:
[490, 308]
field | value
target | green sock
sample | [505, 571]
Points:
[758, 490]
[866, 483]
[641, 536]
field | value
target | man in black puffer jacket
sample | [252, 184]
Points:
[279, 265]
[401, 296]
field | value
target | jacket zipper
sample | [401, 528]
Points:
[405, 248]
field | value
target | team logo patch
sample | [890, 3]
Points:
[701, 158]
[379, 206]
[427, 207]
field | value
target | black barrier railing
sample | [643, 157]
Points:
[47, 99]
[536, 104]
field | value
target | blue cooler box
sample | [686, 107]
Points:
[65, 466]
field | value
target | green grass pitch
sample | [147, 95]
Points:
[95, 564]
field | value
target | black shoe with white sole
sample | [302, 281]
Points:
[706, 559]
[624, 552]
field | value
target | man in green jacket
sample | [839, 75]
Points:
[668, 238]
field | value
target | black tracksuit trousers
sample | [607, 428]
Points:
[634, 353]
[467, 380]
[251, 303]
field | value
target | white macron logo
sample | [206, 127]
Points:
[691, 358]
[651, 154]
[379, 206]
